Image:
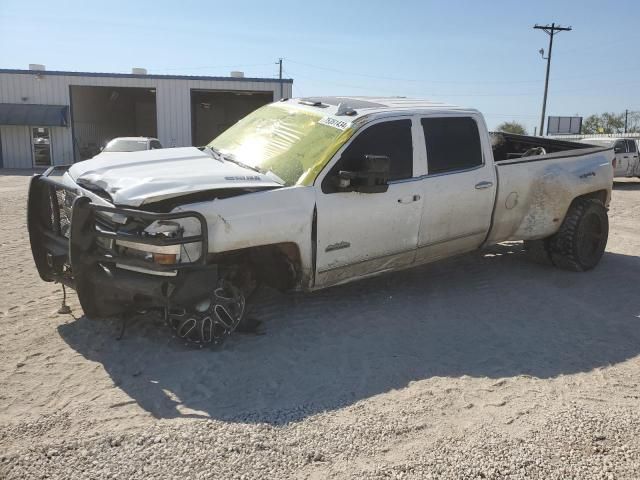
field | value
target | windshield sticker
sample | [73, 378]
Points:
[335, 123]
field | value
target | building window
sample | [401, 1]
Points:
[41, 144]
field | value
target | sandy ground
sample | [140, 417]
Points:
[483, 366]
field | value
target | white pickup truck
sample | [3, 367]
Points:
[308, 193]
[627, 162]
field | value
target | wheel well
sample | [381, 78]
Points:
[600, 195]
[277, 265]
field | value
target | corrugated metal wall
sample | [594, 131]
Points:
[173, 102]
[16, 146]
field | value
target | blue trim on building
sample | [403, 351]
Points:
[34, 114]
[150, 77]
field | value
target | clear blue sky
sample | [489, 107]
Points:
[482, 54]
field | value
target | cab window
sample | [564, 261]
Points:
[453, 143]
[631, 146]
[620, 147]
[392, 139]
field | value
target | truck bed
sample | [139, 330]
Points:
[535, 191]
[509, 146]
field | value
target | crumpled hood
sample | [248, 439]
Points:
[137, 178]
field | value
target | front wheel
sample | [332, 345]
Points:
[580, 242]
[211, 320]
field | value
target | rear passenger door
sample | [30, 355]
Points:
[459, 188]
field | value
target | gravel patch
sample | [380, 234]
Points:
[482, 367]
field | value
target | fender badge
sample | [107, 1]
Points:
[337, 246]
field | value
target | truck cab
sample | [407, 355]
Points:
[429, 209]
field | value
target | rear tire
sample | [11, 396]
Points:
[580, 242]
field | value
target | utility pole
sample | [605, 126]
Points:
[626, 119]
[279, 62]
[550, 30]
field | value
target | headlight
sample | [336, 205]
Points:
[182, 227]
[163, 255]
[170, 254]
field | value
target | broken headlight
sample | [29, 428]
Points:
[169, 254]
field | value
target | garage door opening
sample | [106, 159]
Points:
[213, 111]
[99, 114]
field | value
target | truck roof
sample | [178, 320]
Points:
[354, 107]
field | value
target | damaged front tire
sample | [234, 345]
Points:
[212, 319]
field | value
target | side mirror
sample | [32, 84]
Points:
[370, 174]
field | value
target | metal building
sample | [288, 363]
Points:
[57, 118]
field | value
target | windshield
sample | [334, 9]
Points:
[122, 145]
[288, 141]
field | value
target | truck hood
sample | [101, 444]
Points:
[138, 178]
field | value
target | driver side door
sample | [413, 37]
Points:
[361, 234]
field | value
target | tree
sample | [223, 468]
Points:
[512, 127]
[633, 124]
[604, 123]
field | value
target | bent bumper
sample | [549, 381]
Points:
[72, 244]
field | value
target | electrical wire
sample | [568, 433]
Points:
[398, 79]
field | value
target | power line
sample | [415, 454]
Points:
[598, 46]
[550, 30]
[398, 79]
[452, 82]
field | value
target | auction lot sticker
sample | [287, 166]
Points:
[335, 123]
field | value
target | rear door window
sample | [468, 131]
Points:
[631, 146]
[453, 143]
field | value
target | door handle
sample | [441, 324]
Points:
[481, 185]
[409, 199]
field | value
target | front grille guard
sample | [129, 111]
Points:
[64, 232]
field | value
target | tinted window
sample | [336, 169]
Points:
[620, 146]
[632, 146]
[388, 138]
[452, 144]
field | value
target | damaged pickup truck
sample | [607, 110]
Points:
[304, 194]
